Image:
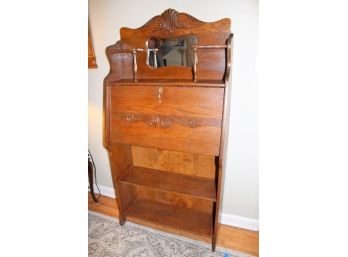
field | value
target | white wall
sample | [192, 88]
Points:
[241, 180]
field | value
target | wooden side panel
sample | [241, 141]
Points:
[221, 159]
[120, 157]
[171, 161]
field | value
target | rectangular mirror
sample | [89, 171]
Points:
[163, 52]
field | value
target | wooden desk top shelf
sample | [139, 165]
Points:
[165, 109]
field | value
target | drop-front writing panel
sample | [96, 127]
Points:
[184, 119]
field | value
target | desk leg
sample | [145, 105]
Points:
[90, 178]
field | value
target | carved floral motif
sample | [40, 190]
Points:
[160, 121]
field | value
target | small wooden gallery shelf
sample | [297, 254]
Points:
[165, 127]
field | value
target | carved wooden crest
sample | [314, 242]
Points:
[171, 20]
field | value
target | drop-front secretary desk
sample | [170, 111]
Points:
[166, 108]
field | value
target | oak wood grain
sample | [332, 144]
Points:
[177, 101]
[185, 119]
[195, 222]
[200, 140]
[192, 186]
[221, 159]
[120, 157]
[176, 199]
[172, 161]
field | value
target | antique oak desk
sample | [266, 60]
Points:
[165, 114]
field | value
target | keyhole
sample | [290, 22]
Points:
[160, 94]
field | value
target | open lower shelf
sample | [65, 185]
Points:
[193, 186]
[176, 217]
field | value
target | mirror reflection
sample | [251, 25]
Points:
[164, 52]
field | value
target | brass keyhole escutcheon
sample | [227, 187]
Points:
[160, 95]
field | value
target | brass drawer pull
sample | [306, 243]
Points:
[160, 95]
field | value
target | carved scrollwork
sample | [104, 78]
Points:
[170, 20]
[155, 121]
[160, 121]
[130, 118]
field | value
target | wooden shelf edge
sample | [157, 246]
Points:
[167, 181]
[176, 83]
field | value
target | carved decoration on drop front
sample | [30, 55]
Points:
[160, 121]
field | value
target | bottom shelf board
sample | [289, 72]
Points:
[172, 216]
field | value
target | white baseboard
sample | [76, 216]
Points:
[240, 222]
[226, 219]
[106, 191]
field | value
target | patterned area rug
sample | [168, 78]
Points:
[107, 238]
